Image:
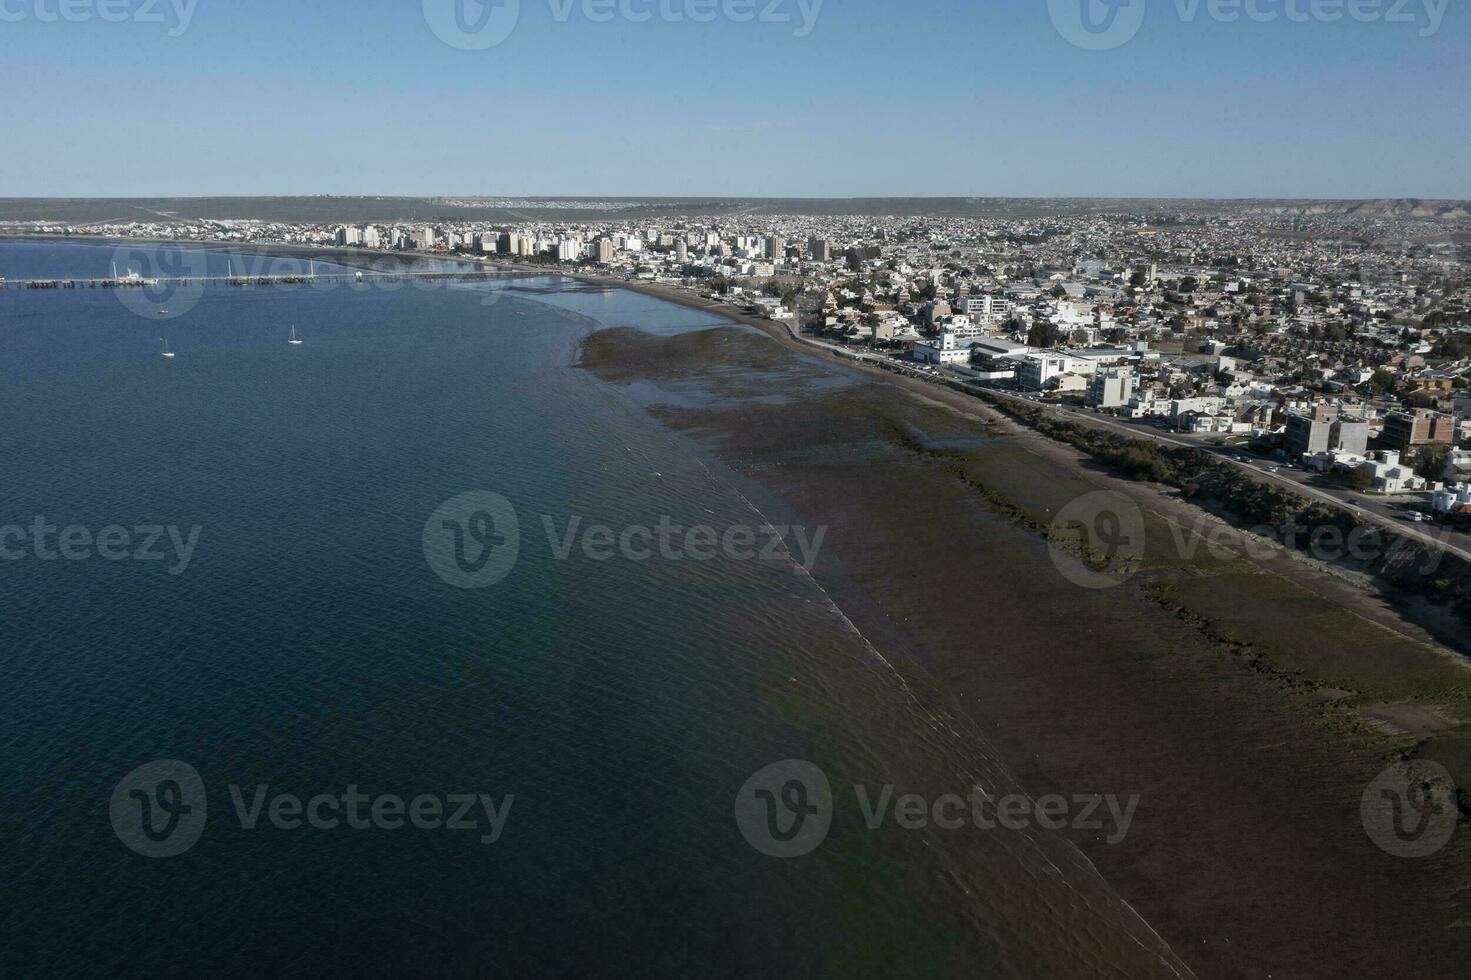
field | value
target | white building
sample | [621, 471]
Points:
[1112, 389]
[1452, 500]
[1035, 370]
[1001, 353]
[961, 326]
[988, 310]
[948, 348]
[1390, 476]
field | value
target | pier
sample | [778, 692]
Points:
[292, 279]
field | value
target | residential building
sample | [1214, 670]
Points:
[1454, 499]
[1112, 389]
[1389, 475]
[1035, 370]
[948, 348]
[1406, 431]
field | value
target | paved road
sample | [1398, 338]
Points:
[1296, 480]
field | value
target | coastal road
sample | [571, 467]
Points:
[1295, 480]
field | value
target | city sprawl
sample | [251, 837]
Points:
[1301, 339]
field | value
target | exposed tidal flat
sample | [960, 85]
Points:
[1242, 694]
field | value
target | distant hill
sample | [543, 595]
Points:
[383, 210]
[1397, 207]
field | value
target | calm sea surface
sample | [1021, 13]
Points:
[307, 645]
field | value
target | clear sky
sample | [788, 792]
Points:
[880, 98]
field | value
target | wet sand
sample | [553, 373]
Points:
[1241, 696]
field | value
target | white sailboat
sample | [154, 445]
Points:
[166, 351]
[294, 339]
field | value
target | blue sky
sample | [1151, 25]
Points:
[881, 98]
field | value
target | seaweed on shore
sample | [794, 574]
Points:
[1400, 562]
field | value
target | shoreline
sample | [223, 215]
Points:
[1250, 766]
[1204, 685]
[788, 335]
[785, 334]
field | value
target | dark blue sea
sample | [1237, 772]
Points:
[610, 709]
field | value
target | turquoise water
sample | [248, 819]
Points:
[308, 645]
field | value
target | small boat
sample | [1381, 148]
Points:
[166, 351]
[163, 311]
[293, 339]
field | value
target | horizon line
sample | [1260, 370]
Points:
[726, 197]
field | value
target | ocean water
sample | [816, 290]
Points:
[309, 645]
